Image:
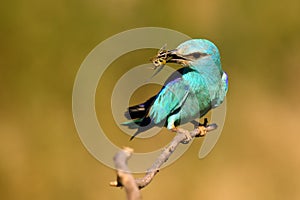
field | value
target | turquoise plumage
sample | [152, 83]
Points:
[189, 93]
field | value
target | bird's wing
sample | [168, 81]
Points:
[169, 99]
[139, 111]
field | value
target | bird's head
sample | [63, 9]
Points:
[196, 53]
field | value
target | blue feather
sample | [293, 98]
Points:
[187, 94]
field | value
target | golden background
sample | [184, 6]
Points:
[42, 46]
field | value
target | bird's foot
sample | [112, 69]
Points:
[201, 131]
[202, 128]
[204, 123]
[187, 134]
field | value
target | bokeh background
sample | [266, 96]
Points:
[42, 46]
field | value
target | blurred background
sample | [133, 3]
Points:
[42, 46]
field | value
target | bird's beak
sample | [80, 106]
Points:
[168, 56]
[173, 56]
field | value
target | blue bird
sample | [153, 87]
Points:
[189, 93]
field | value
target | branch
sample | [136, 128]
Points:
[124, 177]
[167, 152]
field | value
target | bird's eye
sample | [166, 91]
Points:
[196, 55]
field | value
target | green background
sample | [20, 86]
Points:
[42, 44]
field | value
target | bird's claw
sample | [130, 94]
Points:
[202, 128]
[204, 123]
[202, 131]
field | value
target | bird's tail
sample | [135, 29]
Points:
[139, 111]
[137, 123]
[138, 116]
[141, 125]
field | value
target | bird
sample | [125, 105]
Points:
[189, 93]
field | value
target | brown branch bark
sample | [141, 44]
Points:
[132, 186]
[124, 176]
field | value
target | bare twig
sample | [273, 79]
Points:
[167, 152]
[124, 176]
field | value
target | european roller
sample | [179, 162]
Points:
[189, 93]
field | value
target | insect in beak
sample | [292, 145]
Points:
[167, 56]
[160, 60]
